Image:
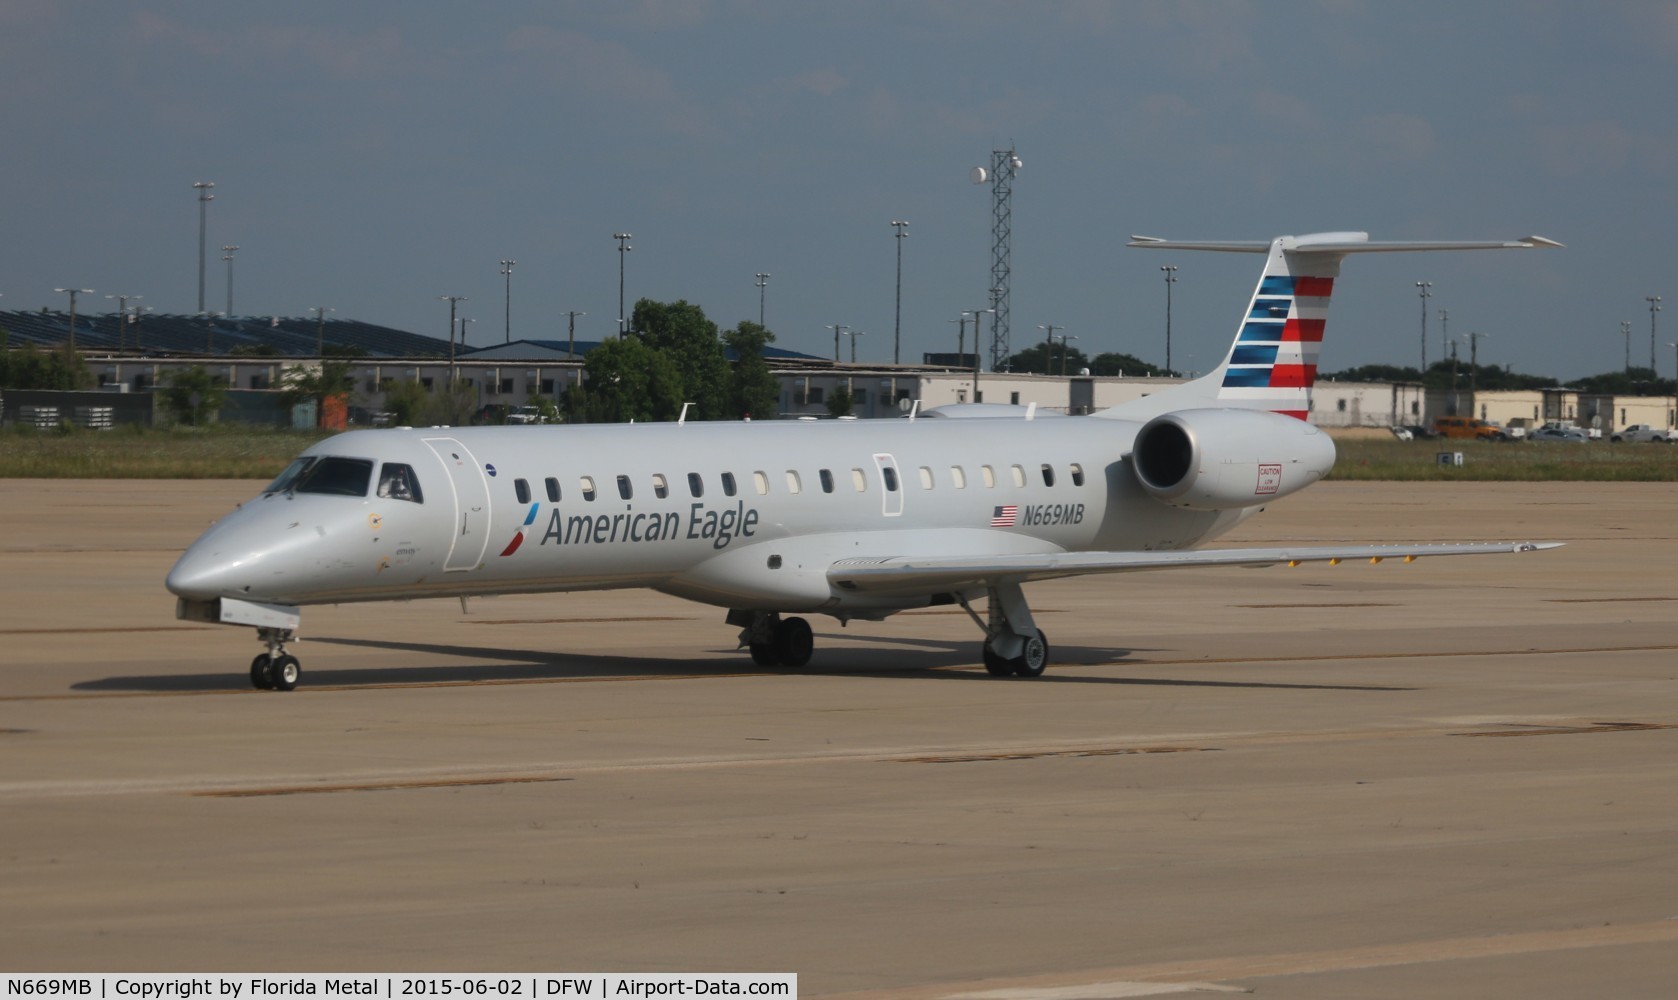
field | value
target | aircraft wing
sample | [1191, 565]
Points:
[920, 574]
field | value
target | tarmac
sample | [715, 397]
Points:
[1452, 778]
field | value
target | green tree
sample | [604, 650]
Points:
[1113, 363]
[31, 368]
[681, 330]
[193, 395]
[627, 380]
[840, 403]
[406, 400]
[1045, 359]
[753, 389]
[301, 383]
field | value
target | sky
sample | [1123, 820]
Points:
[372, 156]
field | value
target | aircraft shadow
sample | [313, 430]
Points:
[931, 659]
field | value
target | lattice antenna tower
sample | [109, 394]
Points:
[1004, 165]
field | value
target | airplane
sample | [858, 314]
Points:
[772, 520]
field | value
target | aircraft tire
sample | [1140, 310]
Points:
[286, 671]
[1035, 659]
[765, 654]
[997, 666]
[794, 642]
[262, 672]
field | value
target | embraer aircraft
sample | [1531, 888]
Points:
[853, 519]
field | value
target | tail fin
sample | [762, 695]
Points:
[1272, 363]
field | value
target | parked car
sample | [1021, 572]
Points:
[1560, 432]
[525, 415]
[1403, 434]
[1645, 432]
[1469, 427]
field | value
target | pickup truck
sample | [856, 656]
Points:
[1644, 432]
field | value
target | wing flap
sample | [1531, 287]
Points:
[915, 574]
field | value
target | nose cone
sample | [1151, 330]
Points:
[200, 575]
[237, 557]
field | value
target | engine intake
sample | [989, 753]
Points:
[1228, 459]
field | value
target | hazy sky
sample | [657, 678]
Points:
[372, 156]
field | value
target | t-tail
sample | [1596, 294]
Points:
[1272, 363]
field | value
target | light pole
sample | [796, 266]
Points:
[1654, 307]
[452, 300]
[902, 228]
[976, 364]
[122, 318]
[1049, 339]
[73, 292]
[204, 198]
[1170, 279]
[1625, 329]
[961, 336]
[1672, 420]
[838, 331]
[320, 328]
[762, 283]
[1064, 349]
[1444, 333]
[227, 253]
[854, 334]
[1474, 363]
[1426, 289]
[623, 248]
[507, 325]
[571, 329]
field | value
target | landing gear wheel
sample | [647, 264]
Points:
[997, 666]
[764, 654]
[793, 642]
[262, 672]
[285, 672]
[1035, 657]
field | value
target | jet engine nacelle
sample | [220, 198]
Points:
[1228, 459]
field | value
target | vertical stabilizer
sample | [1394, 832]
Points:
[1272, 363]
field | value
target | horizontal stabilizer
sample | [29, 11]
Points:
[910, 574]
[1341, 243]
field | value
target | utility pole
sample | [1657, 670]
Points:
[1049, 339]
[838, 331]
[452, 301]
[1474, 363]
[1654, 307]
[227, 253]
[1170, 279]
[1426, 289]
[762, 283]
[571, 329]
[73, 292]
[1444, 331]
[976, 356]
[204, 198]
[507, 325]
[897, 326]
[320, 328]
[122, 318]
[1625, 329]
[854, 334]
[623, 248]
[961, 336]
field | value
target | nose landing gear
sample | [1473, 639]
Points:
[275, 670]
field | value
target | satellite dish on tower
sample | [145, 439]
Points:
[980, 175]
[1018, 163]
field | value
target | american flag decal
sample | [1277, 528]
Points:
[1004, 517]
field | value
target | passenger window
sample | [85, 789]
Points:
[889, 475]
[1077, 474]
[397, 482]
[344, 477]
[521, 489]
[989, 475]
[760, 480]
[625, 490]
[958, 478]
[588, 488]
[1048, 474]
[926, 478]
[661, 486]
[826, 476]
[553, 489]
[696, 485]
[793, 485]
[859, 480]
[1019, 474]
[728, 484]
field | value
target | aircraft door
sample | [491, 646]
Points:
[470, 491]
[891, 486]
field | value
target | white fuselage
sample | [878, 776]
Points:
[740, 515]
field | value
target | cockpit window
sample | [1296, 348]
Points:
[289, 477]
[397, 482]
[343, 477]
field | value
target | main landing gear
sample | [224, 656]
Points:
[1014, 645]
[275, 670]
[774, 641]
